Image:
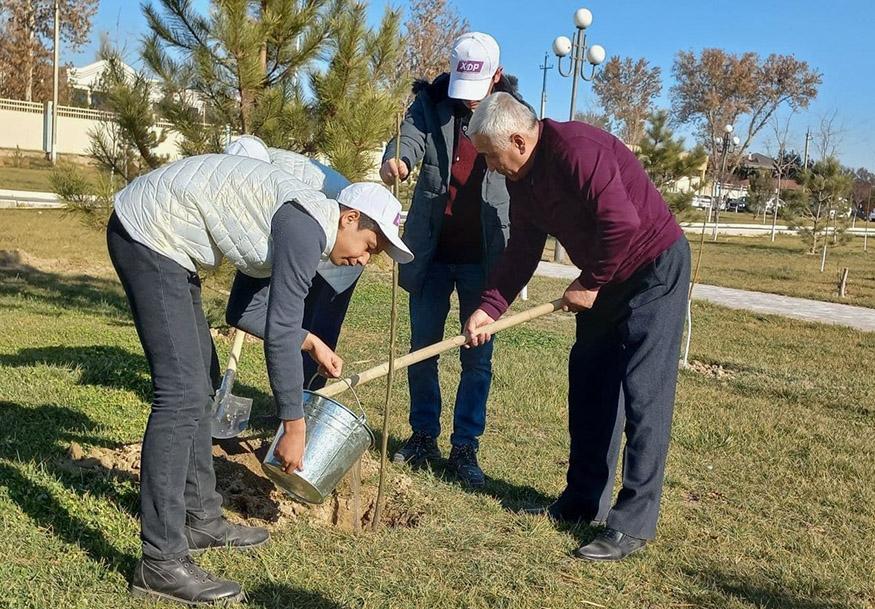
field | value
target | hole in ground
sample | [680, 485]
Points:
[249, 496]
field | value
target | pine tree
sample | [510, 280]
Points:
[124, 143]
[666, 160]
[242, 61]
[828, 187]
[359, 95]
[246, 62]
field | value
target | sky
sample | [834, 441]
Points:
[835, 38]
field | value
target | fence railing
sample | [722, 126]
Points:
[21, 106]
[66, 111]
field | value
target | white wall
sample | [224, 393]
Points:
[22, 123]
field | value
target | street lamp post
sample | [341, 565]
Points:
[728, 142]
[580, 55]
[546, 66]
[53, 155]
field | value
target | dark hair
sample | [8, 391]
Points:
[365, 221]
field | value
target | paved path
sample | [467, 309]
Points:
[861, 318]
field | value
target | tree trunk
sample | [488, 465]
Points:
[30, 25]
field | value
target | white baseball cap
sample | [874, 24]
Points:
[249, 145]
[473, 63]
[378, 204]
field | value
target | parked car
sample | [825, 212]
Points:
[737, 205]
[872, 216]
[702, 201]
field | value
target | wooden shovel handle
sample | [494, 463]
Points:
[437, 348]
[236, 349]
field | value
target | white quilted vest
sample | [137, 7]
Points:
[198, 209]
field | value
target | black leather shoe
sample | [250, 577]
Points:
[419, 450]
[220, 533]
[559, 511]
[463, 463]
[181, 580]
[610, 544]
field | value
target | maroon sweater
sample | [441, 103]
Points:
[590, 192]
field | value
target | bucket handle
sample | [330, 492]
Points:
[351, 388]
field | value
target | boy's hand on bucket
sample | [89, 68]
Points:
[290, 448]
[477, 337]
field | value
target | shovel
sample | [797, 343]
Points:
[230, 413]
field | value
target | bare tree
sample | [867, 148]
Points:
[596, 119]
[431, 28]
[777, 148]
[626, 89]
[828, 136]
[717, 88]
[26, 42]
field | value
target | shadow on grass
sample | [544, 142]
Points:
[512, 497]
[40, 435]
[767, 590]
[84, 293]
[281, 596]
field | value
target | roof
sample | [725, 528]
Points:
[759, 161]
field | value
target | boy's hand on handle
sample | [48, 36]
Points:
[475, 335]
[330, 364]
[391, 169]
[578, 298]
[290, 448]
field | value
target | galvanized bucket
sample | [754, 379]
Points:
[336, 439]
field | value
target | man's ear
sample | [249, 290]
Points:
[497, 76]
[349, 217]
[518, 142]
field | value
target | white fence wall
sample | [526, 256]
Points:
[22, 124]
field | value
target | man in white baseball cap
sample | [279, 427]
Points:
[457, 227]
[474, 67]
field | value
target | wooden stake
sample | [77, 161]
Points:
[393, 327]
[843, 282]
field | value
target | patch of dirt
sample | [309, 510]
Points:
[249, 496]
[715, 371]
[694, 497]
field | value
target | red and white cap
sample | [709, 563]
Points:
[378, 204]
[473, 63]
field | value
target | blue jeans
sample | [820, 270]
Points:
[428, 316]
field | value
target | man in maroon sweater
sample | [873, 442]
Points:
[586, 188]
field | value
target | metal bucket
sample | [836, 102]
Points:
[336, 439]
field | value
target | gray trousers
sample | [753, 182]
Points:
[177, 480]
[622, 374]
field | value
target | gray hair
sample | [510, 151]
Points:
[499, 116]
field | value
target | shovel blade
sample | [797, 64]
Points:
[230, 416]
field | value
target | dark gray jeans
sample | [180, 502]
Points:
[177, 480]
[622, 374]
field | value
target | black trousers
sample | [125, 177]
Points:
[622, 374]
[324, 312]
[177, 480]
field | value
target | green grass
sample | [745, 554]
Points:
[769, 498]
[35, 176]
[785, 267]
